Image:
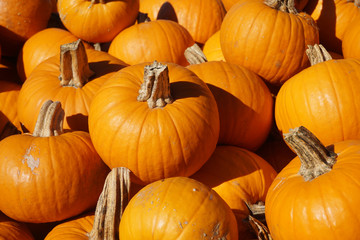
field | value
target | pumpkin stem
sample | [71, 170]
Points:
[98, 1]
[111, 205]
[261, 231]
[287, 6]
[156, 87]
[143, 17]
[74, 66]
[357, 3]
[194, 55]
[317, 54]
[315, 158]
[50, 120]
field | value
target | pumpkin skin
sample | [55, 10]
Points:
[267, 41]
[333, 19]
[97, 21]
[123, 129]
[20, 20]
[46, 179]
[299, 4]
[13, 230]
[245, 103]
[212, 48]
[43, 84]
[160, 40]
[177, 208]
[9, 121]
[202, 18]
[350, 48]
[238, 176]
[41, 46]
[322, 208]
[322, 90]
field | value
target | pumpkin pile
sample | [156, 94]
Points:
[176, 119]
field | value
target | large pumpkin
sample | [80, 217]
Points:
[177, 208]
[41, 46]
[202, 18]
[159, 124]
[323, 99]
[316, 195]
[269, 38]
[350, 40]
[49, 175]
[244, 102]
[97, 20]
[82, 73]
[161, 40]
[19, 20]
[238, 176]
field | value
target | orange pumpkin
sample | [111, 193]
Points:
[244, 102]
[49, 175]
[350, 46]
[165, 126]
[20, 20]
[97, 21]
[212, 48]
[299, 4]
[333, 18]
[13, 230]
[201, 18]
[79, 83]
[238, 176]
[41, 46]
[9, 122]
[160, 40]
[321, 99]
[177, 208]
[315, 196]
[269, 41]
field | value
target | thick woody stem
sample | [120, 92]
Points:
[194, 55]
[98, 1]
[74, 66]
[260, 229]
[287, 6]
[315, 158]
[357, 3]
[50, 120]
[143, 17]
[111, 205]
[317, 54]
[156, 87]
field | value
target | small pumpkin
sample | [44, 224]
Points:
[269, 38]
[190, 209]
[212, 48]
[315, 195]
[157, 120]
[97, 21]
[160, 40]
[81, 73]
[50, 175]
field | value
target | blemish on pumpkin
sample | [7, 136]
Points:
[211, 197]
[278, 64]
[180, 225]
[195, 190]
[30, 160]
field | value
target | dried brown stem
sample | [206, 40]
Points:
[156, 87]
[315, 158]
[50, 120]
[111, 205]
[317, 54]
[287, 6]
[194, 55]
[74, 66]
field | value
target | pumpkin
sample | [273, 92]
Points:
[41, 46]
[238, 176]
[212, 48]
[82, 72]
[163, 126]
[350, 48]
[20, 20]
[177, 208]
[299, 4]
[315, 195]
[9, 122]
[321, 99]
[50, 175]
[201, 18]
[13, 230]
[97, 21]
[269, 41]
[161, 40]
[244, 102]
[333, 18]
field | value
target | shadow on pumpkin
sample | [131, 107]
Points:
[167, 11]
[78, 122]
[180, 90]
[11, 42]
[102, 68]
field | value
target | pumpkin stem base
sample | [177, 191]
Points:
[194, 55]
[317, 54]
[50, 120]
